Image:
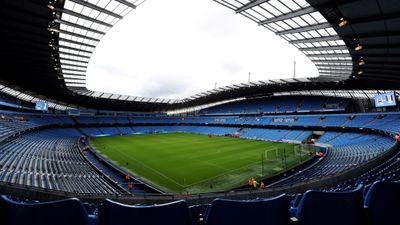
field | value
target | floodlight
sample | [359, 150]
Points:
[342, 22]
[358, 47]
[361, 62]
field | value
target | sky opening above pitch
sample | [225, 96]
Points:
[178, 48]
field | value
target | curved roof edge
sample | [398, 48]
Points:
[32, 38]
[81, 25]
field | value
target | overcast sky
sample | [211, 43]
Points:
[178, 48]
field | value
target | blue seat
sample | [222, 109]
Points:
[294, 204]
[63, 212]
[274, 211]
[198, 212]
[331, 208]
[114, 213]
[383, 202]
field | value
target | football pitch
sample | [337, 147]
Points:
[180, 162]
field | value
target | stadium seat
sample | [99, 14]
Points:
[114, 213]
[294, 204]
[297, 199]
[383, 202]
[198, 212]
[274, 211]
[63, 212]
[331, 208]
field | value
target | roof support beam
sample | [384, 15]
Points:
[336, 66]
[74, 70]
[333, 64]
[73, 60]
[126, 3]
[76, 42]
[304, 29]
[72, 81]
[290, 15]
[348, 72]
[97, 8]
[72, 13]
[73, 74]
[84, 92]
[76, 55]
[335, 74]
[75, 79]
[319, 39]
[334, 55]
[67, 23]
[325, 48]
[250, 5]
[338, 69]
[330, 61]
[71, 48]
[74, 34]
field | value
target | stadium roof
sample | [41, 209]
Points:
[46, 46]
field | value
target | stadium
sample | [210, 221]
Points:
[320, 150]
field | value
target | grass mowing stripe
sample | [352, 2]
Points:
[229, 171]
[156, 171]
[180, 162]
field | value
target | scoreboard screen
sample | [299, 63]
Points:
[385, 99]
[42, 105]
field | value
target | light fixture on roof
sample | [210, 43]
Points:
[358, 47]
[361, 61]
[51, 29]
[360, 72]
[342, 22]
[50, 7]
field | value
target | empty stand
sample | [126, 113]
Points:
[282, 104]
[51, 159]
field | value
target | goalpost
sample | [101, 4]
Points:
[299, 152]
[271, 153]
[268, 155]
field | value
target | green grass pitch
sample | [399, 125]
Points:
[180, 162]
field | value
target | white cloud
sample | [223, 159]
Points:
[177, 48]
